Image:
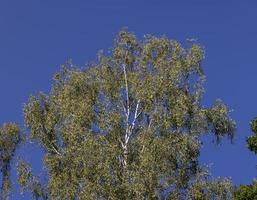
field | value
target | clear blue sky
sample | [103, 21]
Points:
[37, 36]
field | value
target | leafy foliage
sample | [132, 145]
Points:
[128, 127]
[28, 181]
[249, 192]
[10, 138]
[246, 192]
[252, 140]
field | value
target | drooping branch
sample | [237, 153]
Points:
[10, 139]
[6, 181]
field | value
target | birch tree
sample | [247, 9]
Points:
[128, 125]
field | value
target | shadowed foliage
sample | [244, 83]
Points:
[249, 192]
[128, 126]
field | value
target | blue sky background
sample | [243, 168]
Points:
[37, 36]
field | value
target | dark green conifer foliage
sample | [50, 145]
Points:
[10, 138]
[128, 126]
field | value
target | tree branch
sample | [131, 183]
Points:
[127, 90]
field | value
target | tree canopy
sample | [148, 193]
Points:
[127, 126]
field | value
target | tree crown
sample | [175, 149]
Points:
[128, 127]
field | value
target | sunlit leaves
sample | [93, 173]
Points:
[28, 181]
[246, 192]
[10, 138]
[128, 127]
